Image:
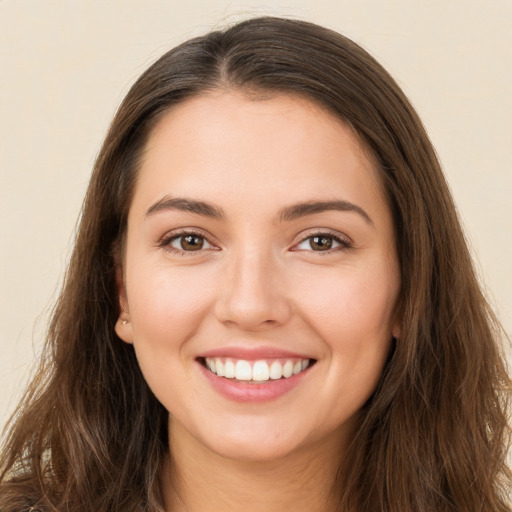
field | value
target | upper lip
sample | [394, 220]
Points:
[254, 353]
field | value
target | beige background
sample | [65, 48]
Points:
[65, 65]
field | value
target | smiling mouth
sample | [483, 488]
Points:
[256, 372]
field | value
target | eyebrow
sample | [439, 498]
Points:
[186, 205]
[285, 215]
[311, 207]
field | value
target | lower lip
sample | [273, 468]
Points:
[245, 392]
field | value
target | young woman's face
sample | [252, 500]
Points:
[260, 278]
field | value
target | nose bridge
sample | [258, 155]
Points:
[252, 297]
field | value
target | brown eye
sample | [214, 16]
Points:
[191, 242]
[321, 243]
[187, 242]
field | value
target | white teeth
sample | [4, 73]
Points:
[260, 371]
[229, 369]
[219, 368]
[276, 370]
[255, 371]
[287, 369]
[243, 370]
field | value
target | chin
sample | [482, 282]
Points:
[247, 450]
[256, 439]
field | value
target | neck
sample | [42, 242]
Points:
[199, 480]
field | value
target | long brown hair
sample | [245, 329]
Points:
[90, 436]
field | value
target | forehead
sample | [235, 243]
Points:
[226, 143]
[298, 116]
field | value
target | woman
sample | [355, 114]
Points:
[270, 303]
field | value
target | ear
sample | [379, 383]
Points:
[396, 329]
[123, 325]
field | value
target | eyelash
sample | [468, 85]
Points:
[166, 241]
[344, 243]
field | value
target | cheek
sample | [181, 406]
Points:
[351, 312]
[166, 304]
[349, 303]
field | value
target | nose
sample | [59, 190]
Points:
[253, 295]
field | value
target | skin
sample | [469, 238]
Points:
[258, 280]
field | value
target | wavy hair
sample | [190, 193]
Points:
[90, 436]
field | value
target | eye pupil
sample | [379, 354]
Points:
[321, 243]
[192, 243]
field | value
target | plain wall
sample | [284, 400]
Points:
[65, 65]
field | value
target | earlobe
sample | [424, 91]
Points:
[123, 325]
[396, 330]
[123, 328]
